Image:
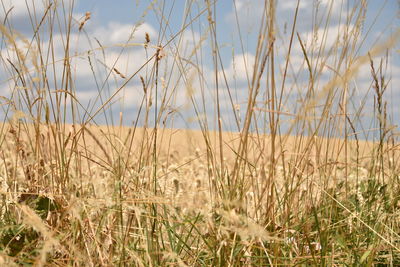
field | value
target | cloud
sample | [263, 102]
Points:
[240, 68]
[391, 76]
[249, 14]
[84, 97]
[87, 60]
[25, 15]
[21, 8]
[132, 96]
[187, 44]
[116, 33]
[334, 6]
[291, 4]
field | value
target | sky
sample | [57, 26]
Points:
[101, 46]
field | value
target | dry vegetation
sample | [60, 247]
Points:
[74, 193]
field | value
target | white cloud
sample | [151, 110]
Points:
[249, 14]
[240, 68]
[391, 75]
[20, 8]
[85, 97]
[311, 13]
[291, 4]
[187, 44]
[112, 36]
[131, 96]
[323, 5]
[116, 33]
[323, 47]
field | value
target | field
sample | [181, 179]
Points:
[312, 182]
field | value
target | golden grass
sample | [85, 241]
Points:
[302, 192]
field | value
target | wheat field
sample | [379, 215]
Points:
[302, 170]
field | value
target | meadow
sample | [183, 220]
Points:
[301, 177]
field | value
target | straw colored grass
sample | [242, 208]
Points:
[293, 174]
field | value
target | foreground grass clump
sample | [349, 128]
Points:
[298, 182]
[112, 213]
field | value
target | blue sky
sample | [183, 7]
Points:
[112, 23]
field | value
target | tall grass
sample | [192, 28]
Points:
[297, 181]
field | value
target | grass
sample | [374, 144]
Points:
[283, 173]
